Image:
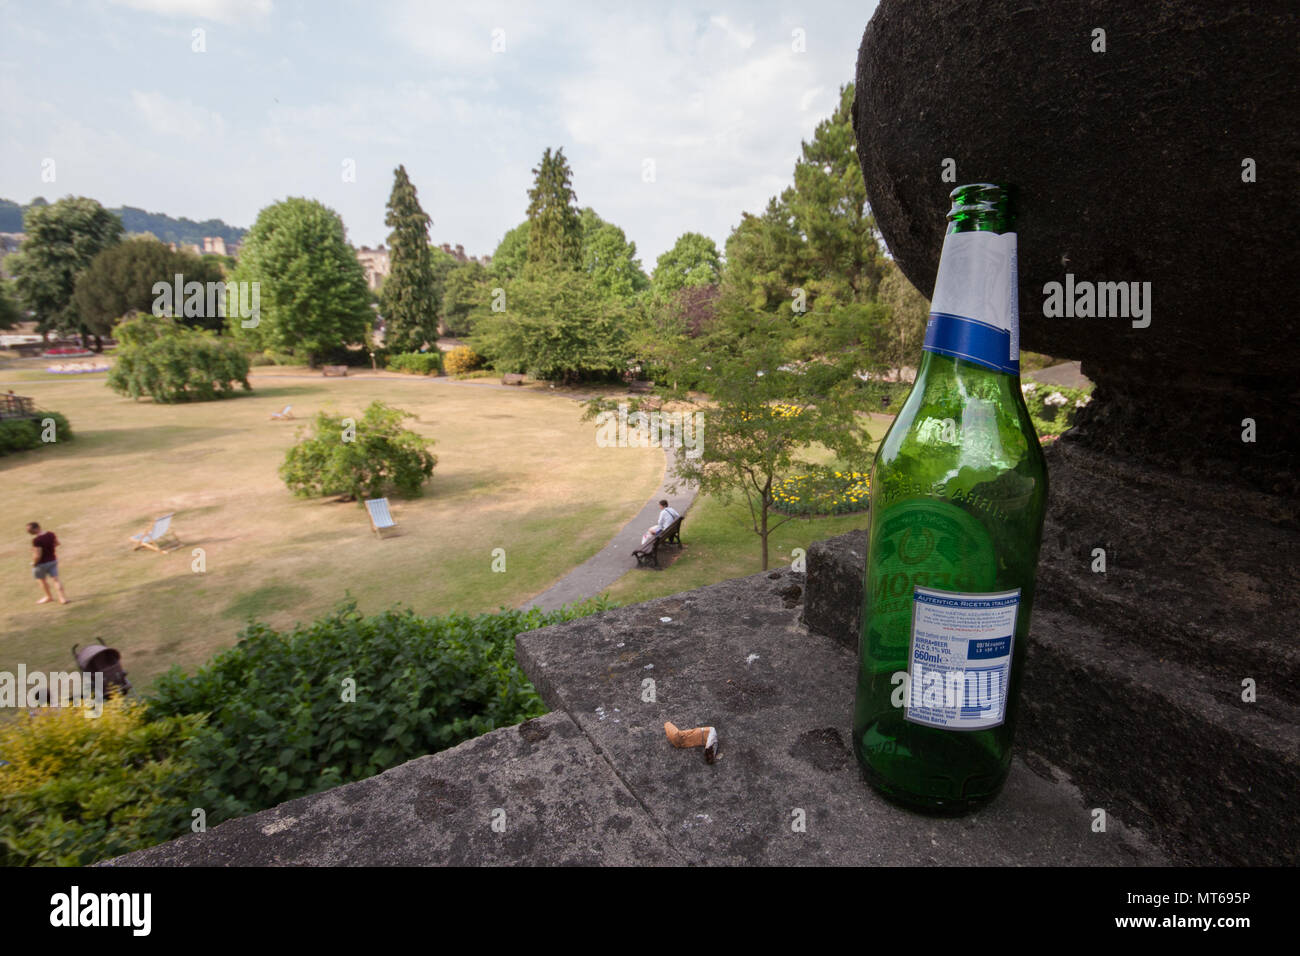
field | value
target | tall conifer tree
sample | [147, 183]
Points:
[409, 296]
[555, 225]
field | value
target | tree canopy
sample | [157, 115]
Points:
[62, 239]
[609, 258]
[121, 279]
[692, 261]
[409, 296]
[555, 226]
[314, 296]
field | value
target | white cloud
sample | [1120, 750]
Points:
[720, 112]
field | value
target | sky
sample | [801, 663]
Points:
[674, 117]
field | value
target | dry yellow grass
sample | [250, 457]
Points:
[517, 469]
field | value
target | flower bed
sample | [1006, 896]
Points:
[822, 492]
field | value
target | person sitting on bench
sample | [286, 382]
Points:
[666, 519]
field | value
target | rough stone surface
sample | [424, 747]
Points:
[1133, 682]
[596, 782]
[833, 605]
[734, 656]
[563, 805]
[1128, 162]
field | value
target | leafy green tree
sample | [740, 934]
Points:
[10, 314]
[555, 226]
[62, 239]
[442, 264]
[764, 261]
[815, 245]
[556, 327]
[692, 261]
[909, 311]
[121, 280]
[842, 257]
[610, 259]
[761, 410]
[409, 298]
[159, 358]
[314, 297]
[466, 296]
[361, 459]
[511, 255]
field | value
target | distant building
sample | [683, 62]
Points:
[376, 263]
[212, 246]
[457, 252]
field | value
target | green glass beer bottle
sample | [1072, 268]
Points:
[958, 491]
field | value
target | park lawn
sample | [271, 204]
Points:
[720, 543]
[517, 470]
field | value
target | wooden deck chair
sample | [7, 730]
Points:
[162, 529]
[283, 415]
[381, 519]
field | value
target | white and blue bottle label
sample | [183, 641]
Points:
[975, 311]
[959, 661]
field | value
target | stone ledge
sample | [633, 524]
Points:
[595, 782]
[734, 655]
[563, 806]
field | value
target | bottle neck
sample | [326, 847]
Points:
[974, 313]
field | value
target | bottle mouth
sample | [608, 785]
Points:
[988, 202]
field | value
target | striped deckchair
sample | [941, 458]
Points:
[381, 519]
[162, 528]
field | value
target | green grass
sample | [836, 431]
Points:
[517, 469]
[720, 543]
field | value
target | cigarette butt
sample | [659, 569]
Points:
[706, 737]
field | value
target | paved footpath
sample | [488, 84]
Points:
[615, 559]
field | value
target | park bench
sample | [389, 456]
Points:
[17, 406]
[648, 553]
[512, 378]
[640, 386]
[335, 370]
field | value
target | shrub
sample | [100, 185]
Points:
[462, 359]
[346, 697]
[23, 434]
[822, 491]
[379, 455]
[416, 363]
[170, 363]
[1053, 407]
[78, 789]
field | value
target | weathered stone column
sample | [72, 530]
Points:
[1152, 145]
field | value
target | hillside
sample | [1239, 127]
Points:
[160, 224]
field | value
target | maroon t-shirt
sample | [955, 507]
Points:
[47, 543]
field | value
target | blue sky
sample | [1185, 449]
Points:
[712, 99]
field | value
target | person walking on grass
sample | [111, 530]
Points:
[44, 563]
